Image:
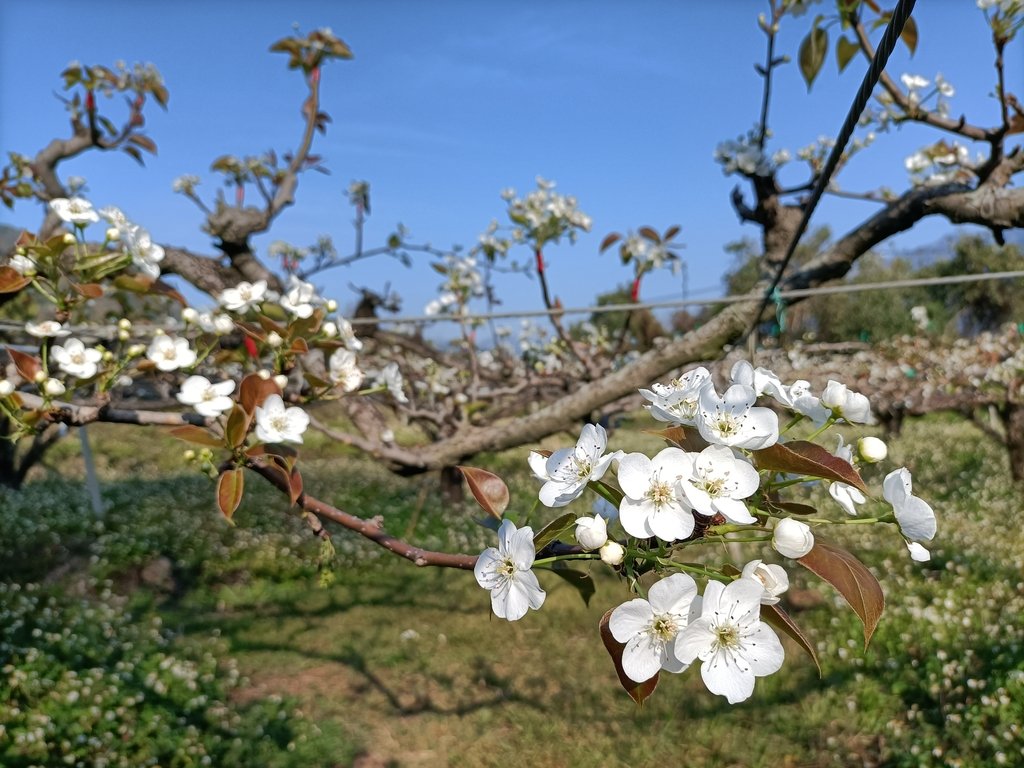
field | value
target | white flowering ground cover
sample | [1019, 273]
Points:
[407, 666]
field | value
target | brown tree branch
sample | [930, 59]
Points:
[369, 529]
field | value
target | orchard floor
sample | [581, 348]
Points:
[396, 665]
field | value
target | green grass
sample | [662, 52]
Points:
[404, 666]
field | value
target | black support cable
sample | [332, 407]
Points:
[885, 48]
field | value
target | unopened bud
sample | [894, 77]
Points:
[591, 532]
[331, 305]
[612, 553]
[274, 339]
[189, 315]
[330, 330]
[281, 380]
[136, 349]
[40, 377]
[871, 449]
[124, 324]
[113, 234]
[53, 388]
[107, 355]
[189, 455]
[792, 538]
[263, 373]
[6, 388]
[123, 335]
[69, 239]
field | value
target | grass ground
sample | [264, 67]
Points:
[404, 666]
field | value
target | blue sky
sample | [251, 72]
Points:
[448, 102]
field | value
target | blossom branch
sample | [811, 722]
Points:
[370, 529]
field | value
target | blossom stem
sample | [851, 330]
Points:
[556, 558]
[828, 423]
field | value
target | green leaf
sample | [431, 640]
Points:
[852, 580]
[554, 530]
[193, 434]
[800, 457]
[488, 489]
[238, 426]
[846, 49]
[230, 486]
[812, 54]
[578, 580]
[638, 692]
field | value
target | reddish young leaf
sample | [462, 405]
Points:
[488, 489]
[851, 578]
[253, 390]
[193, 434]
[28, 365]
[237, 427]
[681, 437]
[800, 457]
[792, 507]
[554, 530]
[609, 241]
[778, 618]
[230, 486]
[295, 486]
[88, 290]
[650, 233]
[638, 692]
[11, 280]
[671, 232]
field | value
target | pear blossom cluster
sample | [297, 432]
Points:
[544, 216]
[463, 281]
[743, 155]
[941, 163]
[712, 482]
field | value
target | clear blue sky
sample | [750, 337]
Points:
[448, 102]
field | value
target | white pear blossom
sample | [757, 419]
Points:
[300, 298]
[732, 643]
[391, 377]
[243, 296]
[206, 398]
[170, 354]
[77, 211]
[733, 419]
[802, 401]
[146, 255]
[847, 496]
[791, 538]
[343, 371]
[653, 502]
[650, 628]
[567, 471]
[505, 572]
[914, 516]
[772, 578]
[918, 553]
[761, 380]
[22, 264]
[75, 359]
[676, 402]
[277, 424]
[47, 329]
[853, 407]
[612, 553]
[591, 532]
[718, 482]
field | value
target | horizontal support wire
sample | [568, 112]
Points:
[139, 330]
